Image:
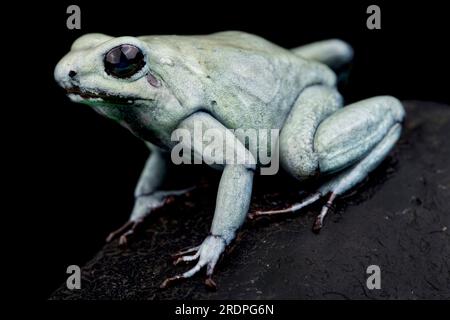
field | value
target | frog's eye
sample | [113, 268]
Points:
[124, 61]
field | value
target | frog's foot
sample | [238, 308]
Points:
[143, 206]
[208, 253]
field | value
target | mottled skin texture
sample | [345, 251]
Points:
[234, 80]
[244, 81]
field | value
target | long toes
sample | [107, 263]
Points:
[186, 258]
[114, 234]
[125, 232]
[257, 214]
[185, 275]
[291, 209]
[123, 240]
[208, 253]
[183, 252]
[170, 280]
[195, 269]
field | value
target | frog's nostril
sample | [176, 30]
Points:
[72, 73]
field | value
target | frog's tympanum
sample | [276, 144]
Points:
[154, 85]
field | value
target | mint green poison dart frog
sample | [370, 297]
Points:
[154, 85]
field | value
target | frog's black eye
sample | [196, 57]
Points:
[124, 61]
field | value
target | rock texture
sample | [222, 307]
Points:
[397, 219]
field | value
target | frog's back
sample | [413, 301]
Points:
[244, 80]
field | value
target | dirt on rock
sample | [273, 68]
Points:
[397, 219]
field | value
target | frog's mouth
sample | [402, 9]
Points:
[102, 95]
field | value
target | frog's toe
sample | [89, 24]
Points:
[293, 208]
[125, 232]
[184, 252]
[186, 258]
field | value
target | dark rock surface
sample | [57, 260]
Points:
[398, 219]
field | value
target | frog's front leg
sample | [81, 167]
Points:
[233, 196]
[147, 196]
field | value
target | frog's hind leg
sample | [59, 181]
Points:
[350, 143]
[356, 173]
[297, 155]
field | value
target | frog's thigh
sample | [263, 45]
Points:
[314, 104]
[352, 132]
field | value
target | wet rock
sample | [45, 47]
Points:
[397, 219]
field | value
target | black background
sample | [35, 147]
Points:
[80, 169]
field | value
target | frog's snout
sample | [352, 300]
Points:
[65, 73]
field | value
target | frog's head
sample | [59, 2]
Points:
[101, 70]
